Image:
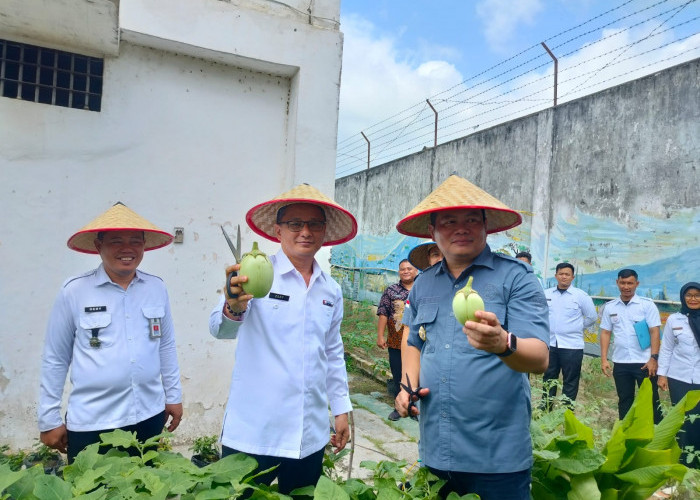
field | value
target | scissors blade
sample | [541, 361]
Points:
[234, 251]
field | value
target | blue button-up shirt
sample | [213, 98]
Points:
[477, 415]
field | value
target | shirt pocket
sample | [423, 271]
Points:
[426, 319]
[154, 319]
[96, 326]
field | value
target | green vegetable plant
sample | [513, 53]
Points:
[13, 460]
[637, 460]
[48, 458]
[205, 451]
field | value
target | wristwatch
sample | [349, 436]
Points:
[655, 356]
[511, 345]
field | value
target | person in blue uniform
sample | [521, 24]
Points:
[475, 396]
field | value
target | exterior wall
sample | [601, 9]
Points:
[604, 182]
[208, 109]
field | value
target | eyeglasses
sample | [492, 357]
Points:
[692, 296]
[296, 226]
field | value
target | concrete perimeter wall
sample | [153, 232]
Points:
[605, 182]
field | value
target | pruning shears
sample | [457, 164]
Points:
[411, 393]
[236, 251]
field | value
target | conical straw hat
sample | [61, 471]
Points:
[118, 218]
[418, 257]
[341, 226]
[457, 193]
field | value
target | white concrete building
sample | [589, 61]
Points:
[207, 107]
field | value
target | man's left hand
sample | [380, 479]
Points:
[486, 333]
[342, 432]
[174, 412]
[652, 365]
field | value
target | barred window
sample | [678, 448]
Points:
[50, 76]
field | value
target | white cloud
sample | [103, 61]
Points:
[378, 81]
[501, 19]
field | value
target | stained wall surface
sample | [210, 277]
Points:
[605, 182]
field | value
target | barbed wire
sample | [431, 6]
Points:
[479, 100]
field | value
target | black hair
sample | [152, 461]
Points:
[283, 210]
[524, 254]
[404, 260]
[433, 216]
[626, 273]
[564, 265]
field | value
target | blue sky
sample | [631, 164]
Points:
[397, 53]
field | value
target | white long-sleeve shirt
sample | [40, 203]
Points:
[570, 313]
[619, 319]
[130, 375]
[289, 365]
[679, 357]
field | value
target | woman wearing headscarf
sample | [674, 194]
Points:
[679, 360]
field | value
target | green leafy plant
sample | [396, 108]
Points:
[13, 460]
[205, 449]
[48, 458]
[638, 459]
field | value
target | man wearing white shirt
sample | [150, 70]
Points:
[113, 329]
[571, 311]
[632, 363]
[290, 364]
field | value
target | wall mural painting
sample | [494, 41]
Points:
[664, 250]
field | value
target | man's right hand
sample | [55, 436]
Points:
[381, 343]
[605, 366]
[240, 303]
[402, 401]
[662, 382]
[56, 438]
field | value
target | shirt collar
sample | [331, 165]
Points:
[635, 298]
[484, 259]
[284, 265]
[103, 277]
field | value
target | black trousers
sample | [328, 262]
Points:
[395, 365]
[568, 363]
[627, 376]
[690, 432]
[77, 441]
[506, 486]
[291, 473]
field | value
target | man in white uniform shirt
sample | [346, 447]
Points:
[632, 363]
[290, 364]
[571, 311]
[113, 328]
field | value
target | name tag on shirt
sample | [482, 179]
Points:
[279, 296]
[94, 309]
[677, 328]
[328, 303]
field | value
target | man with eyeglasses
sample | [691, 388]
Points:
[635, 357]
[290, 364]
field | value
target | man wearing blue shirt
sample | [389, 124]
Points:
[475, 400]
[571, 311]
[632, 362]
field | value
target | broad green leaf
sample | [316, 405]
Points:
[23, 488]
[328, 490]
[546, 455]
[119, 437]
[653, 475]
[581, 461]
[665, 432]
[8, 476]
[573, 427]
[610, 494]
[368, 464]
[88, 480]
[384, 493]
[584, 487]
[50, 487]
[149, 455]
[218, 492]
[98, 494]
[638, 424]
[644, 457]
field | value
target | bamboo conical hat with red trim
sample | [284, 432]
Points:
[118, 218]
[419, 256]
[457, 193]
[341, 225]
